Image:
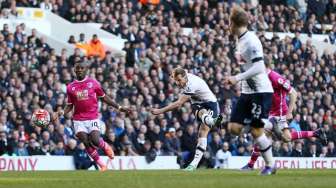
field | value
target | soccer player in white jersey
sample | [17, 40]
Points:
[254, 104]
[279, 114]
[204, 104]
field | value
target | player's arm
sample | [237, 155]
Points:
[68, 108]
[282, 82]
[183, 99]
[292, 101]
[256, 68]
[69, 105]
[108, 100]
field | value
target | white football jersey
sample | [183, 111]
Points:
[251, 50]
[198, 89]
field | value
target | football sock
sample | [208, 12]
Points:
[93, 153]
[102, 144]
[254, 156]
[265, 147]
[302, 134]
[201, 148]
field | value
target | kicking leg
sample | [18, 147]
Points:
[207, 118]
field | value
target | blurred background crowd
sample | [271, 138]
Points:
[33, 76]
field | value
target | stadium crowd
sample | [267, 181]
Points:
[122, 17]
[33, 76]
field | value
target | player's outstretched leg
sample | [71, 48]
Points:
[99, 142]
[200, 149]
[254, 156]
[319, 133]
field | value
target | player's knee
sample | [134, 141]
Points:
[84, 139]
[199, 113]
[86, 143]
[257, 132]
[286, 137]
[94, 140]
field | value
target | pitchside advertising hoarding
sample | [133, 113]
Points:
[285, 162]
[34, 163]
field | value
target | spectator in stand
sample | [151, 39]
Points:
[59, 150]
[324, 152]
[158, 148]
[215, 144]
[172, 143]
[222, 156]
[285, 150]
[46, 150]
[3, 141]
[276, 148]
[94, 48]
[81, 158]
[34, 147]
[188, 143]
[21, 149]
[46, 5]
[72, 146]
[331, 149]
[297, 150]
[332, 35]
[312, 151]
[72, 39]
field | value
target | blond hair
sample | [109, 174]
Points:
[178, 71]
[239, 17]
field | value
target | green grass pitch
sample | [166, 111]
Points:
[168, 179]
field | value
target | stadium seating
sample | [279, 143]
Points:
[158, 38]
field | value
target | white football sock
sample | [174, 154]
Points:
[201, 148]
[265, 146]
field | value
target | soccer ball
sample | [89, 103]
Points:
[41, 118]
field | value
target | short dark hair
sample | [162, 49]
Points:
[82, 63]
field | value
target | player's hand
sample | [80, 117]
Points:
[56, 115]
[230, 80]
[155, 111]
[125, 109]
[289, 116]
